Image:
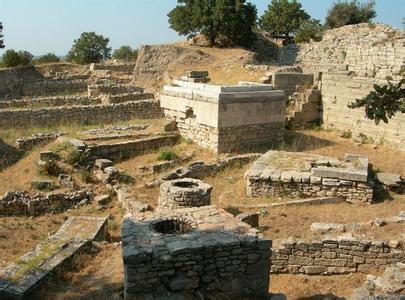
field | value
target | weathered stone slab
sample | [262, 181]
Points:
[22, 278]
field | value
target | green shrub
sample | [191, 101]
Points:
[345, 13]
[47, 58]
[74, 157]
[12, 58]
[167, 155]
[125, 52]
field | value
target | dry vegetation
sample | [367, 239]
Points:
[101, 275]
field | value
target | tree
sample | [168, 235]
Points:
[383, 103]
[12, 58]
[346, 13]
[125, 52]
[47, 58]
[1, 36]
[228, 21]
[310, 30]
[283, 18]
[89, 48]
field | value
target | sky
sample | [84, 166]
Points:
[42, 26]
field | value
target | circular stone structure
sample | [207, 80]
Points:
[185, 192]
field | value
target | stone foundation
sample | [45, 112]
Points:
[181, 193]
[283, 174]
[333, 256]
[185, 251]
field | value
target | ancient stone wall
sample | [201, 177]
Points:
[112, 89]
[53, 87]
[127, 149]
[49, 102]
[338, 90]
[145, 109]
[30, 142]
[12, 79]
[368, 50]
[333, 256]
[109, 99]
[22, 203]
[127, 67]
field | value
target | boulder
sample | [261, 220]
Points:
[327, 227]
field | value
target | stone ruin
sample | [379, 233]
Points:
[186, 251]
[182, 193]
[196, 77]
[226, 118]
[281, 174]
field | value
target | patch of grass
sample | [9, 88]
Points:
[167, 155]
[44, 186]
[46, 252]
[88, 177]
[347, 134]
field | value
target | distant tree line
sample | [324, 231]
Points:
[234, 22]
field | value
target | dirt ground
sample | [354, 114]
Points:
[101, 275]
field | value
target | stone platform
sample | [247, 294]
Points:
[226, 118]
[281, 174]
[201, 250]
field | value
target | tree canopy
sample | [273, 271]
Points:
[1, 36]
[12, 58]
[383, 103]
[228, 21]
[125, 52]
[347, 13]
[310, 30]
[283, 18]
[89, 48]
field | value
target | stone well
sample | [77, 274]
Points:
[186, 192]
[189, 251]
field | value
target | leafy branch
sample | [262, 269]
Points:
[383, 103]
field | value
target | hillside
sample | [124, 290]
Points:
[157, 65]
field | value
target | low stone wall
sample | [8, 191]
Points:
[108, 99]
[119, 67]
[22, 203]
[145, 109]
[29, 143]
[333, 256]
[52, 87]
[116, 89]
[49, 102]
[128, 149]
